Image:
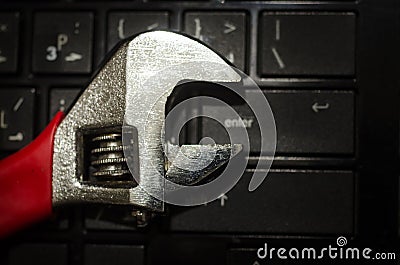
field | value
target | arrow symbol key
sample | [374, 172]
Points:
[223, 198]
[72, 57]
[19, 137]
[229, 28]
[317, 107]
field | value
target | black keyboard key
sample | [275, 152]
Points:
[223, 31]
[307, 122]
[16, 118]
[307, 44]
[61, 99]
[299, 202]
[43, 254]
[114, 255]
[125, 24]
[62, 42]
[9, 24]
[313, 121]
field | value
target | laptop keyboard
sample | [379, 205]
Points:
[329, 71]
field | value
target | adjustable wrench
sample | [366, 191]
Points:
[81, 157]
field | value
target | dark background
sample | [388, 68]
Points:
[342, 182]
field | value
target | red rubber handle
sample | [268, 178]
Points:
[25, 182]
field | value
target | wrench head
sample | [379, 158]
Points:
[129, 91]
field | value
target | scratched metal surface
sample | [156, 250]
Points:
[122, 89]
[102, 104]
[187, 170]
[160, 60]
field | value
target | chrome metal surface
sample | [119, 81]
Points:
[158, 61]
[186, 159]
[122, 89]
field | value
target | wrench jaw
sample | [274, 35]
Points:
[184, 169]
[131, 91]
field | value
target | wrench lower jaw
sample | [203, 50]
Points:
[195, 163]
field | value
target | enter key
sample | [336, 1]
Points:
[308, 122]
[313, 122]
